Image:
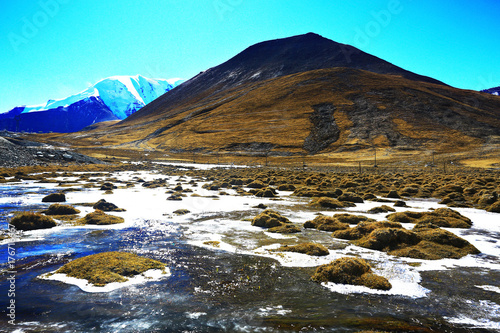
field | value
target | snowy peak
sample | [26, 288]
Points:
[123, 95]
[113, 98]
[493, 91]
[126, 94]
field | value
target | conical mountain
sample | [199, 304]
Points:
[307, 95]
[276, 58]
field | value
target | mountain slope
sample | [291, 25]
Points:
[493, 91]
[113, 98]
[295, 106]
[269, 60]
[68, 118]
[319, 111]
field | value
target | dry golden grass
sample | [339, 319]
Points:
[482, 163]
[32, 221]
[277, 113]
[103, 268]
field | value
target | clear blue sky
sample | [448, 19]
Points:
[54, 48]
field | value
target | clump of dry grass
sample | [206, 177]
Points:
[103, 268]
[381, 209]
[58, 209]
[98, 217]
[312, 249]
[325, 202]
[269, 219]
[275, 222]
[31, 221]
[348, 270]
[326, 223]
[425, 241]
[441, 217]
[54, 197]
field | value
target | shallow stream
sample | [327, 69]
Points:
[235, 285]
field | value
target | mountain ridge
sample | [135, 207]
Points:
[295, 107]
[494, 91]
[263, 60]
[112, 98]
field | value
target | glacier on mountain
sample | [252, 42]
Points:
[113, 98]
[123, 95]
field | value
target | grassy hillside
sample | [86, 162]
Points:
[317, 112]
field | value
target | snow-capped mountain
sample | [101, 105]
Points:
[493, 91]
[113, 98]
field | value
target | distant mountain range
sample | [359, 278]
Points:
[300, 95]
[113, 98]
[493, 91]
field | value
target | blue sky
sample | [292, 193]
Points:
[55, 48]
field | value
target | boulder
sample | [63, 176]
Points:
[55, 197]
[107, 206]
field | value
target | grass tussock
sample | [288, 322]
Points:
[103, 268]
[326, 223]
[441, 217]
[212, 243]
[312, 249]
[98, 217]
[31, 221]
[348, 270]
[274, 222]
[325, 202]
[58, 209]
[425, 241]
[269, 219]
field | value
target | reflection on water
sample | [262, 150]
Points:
[237, 289]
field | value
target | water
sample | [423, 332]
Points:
[238, 286]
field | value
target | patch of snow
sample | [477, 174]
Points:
[149, 275]
[490, 288]
[122, 94]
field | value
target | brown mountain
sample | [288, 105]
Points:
[306, 94]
